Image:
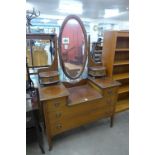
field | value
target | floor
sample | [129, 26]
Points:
[95, 139]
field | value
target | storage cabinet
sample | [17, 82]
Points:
[116, 60]
[67, 107]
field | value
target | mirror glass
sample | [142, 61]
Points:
[96, 50]
[39, 52]
[72, 47]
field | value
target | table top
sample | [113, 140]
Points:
[104, 82]
[53, 92]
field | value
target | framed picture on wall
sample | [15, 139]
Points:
[65, 40]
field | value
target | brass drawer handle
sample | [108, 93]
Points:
[56, 104]
[59, 126]
[58, 115]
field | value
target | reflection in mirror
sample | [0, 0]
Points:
[95, 68]
[73, 53]
[42, 53]
[96, 50]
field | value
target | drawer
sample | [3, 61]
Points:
[55, 116]
[55, 104]
[75, 110]
[67, 124]
[49, 79]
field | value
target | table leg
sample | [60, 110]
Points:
[50, 145]
[111, 121]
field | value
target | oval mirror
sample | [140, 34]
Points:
[73, 47]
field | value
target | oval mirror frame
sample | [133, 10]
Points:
[70, 17]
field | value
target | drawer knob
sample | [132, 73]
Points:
[57, 104]
[59, 126]
[58, 114]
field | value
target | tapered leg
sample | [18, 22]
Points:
[50, 145]
[42, 149]
[40, 138]
[111, 121]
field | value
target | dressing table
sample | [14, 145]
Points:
[68, 105]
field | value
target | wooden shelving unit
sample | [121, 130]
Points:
[121, 62]
[122, 105]
[116, 60]
[123, 89]
[121, 76]
[121, 49]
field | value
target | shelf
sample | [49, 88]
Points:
[123, 34]
[121, 49]
[122, 62]
[121, 76]
[97, 55]
[123, 89]
[98, 51]
[122, 105]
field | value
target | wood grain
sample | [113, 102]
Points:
[73, 105]
[116, 59]
[52, 92]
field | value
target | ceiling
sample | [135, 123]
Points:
[91, 9]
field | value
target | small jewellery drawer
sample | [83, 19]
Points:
[49, 79]
[55, 104]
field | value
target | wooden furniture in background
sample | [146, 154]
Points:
[33, 127]
[116, 61]
[38, 57]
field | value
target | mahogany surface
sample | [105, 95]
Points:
[48, 74]
[52, 92]
[82, 93]
[68, 106]
[105, 82]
